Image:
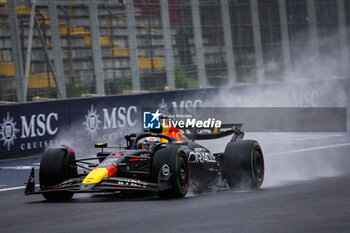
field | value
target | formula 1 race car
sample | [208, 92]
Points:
[166, 161]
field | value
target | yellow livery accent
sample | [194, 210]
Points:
[96, 175]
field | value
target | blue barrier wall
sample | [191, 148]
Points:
[28, 128]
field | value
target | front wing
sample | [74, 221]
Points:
[75, 185]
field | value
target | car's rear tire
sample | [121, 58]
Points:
[243, 164]
[171, 171]
[57, 165]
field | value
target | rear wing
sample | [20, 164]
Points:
[214, 133]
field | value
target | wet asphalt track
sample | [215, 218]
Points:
[313, 206]
[316, 205]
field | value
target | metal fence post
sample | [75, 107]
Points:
[230, 59]
[29, 49]
[342, 35]
[260, 71]
[16, 51]
[134, 67]
[287, 59]
[56, 44]
[197, 31]
[312, 24]
[96, 47]
[169, 59]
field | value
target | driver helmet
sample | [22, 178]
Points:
[149, 142]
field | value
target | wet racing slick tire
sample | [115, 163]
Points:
[243, 164]
[171, 170]
[57, 165]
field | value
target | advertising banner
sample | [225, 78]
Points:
[28, 128]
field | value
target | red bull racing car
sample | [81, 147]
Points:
[166, 161]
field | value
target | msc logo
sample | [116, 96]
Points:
[112, 118]
[8, 131]
[92, 122]
[151, 120]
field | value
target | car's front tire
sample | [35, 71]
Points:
[57, 165]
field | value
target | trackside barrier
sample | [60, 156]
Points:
[28, 128]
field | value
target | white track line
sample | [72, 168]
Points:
[15, 188]
[19, 168]
[278, 153]
[310, 149]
